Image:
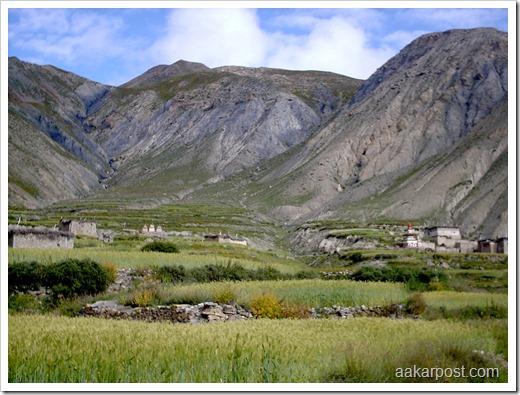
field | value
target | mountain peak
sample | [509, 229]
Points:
[458, 48]
[163, 73]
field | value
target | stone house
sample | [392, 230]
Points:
[443, 236]
[448, 238]
[39, 237]
[87, 228]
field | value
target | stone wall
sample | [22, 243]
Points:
[183, 313]
[212, 312]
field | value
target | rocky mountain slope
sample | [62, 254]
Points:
[424, 138]
[172, 129]
[50, 157]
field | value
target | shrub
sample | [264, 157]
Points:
[435, 286]
[416, 279]
[295, 311]
[75, 277]
[416, 304]
[307, 275]
[111, 270]
[224, 296]
[22, 302]
[25, 276]
[171, 274]
[268, 273]
[469, 312]
[229, 272]
[161, 246]
[356, 257]
[143, 296]
[266, 306]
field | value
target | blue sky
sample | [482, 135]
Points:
[114, 45]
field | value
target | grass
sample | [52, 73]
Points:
[358, 232]
[139, 259]
[45, 349]
[53, 348]
[311, 293]
[122, 215]
[457, 300]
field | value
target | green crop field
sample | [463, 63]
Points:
[311, 293]
[463, 312]
[48, 349]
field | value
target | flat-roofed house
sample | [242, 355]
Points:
[39, 237]
[79, 227]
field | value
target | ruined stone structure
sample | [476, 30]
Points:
[225, 239]
[487, 245]
[502, 245]
[87, 228]
[498, 245]
[39, 237]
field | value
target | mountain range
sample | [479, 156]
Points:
[423, 139]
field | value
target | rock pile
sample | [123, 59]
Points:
[128, 278]
[393, 311]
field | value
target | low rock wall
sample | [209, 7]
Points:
[183, 313]
[213, 312]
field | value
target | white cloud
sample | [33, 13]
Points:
[218, 37]
[115, 45]
[214, 37]
[69, 36]
[331, 45]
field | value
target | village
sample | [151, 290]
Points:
[430, 238]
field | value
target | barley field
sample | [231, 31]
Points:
[453, 300]
[136, 259]
[50, 349]
[311, 293]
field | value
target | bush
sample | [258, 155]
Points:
[23, 302]
[356, 257]
[143, 296]
[416, 279]
[25, 276]
[229, 272]
[161, 246]
[416, 304]
[268, 273]
[75, 277]
[171, 274]
[111, 270]
[295, 311]
[307, 275]
[469, 312]
[266, 306]
[224, 296]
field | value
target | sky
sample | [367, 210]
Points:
[114, 45]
